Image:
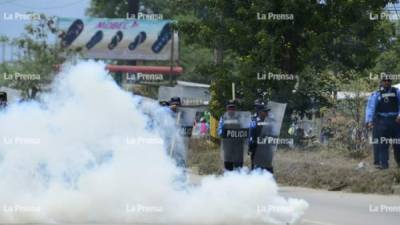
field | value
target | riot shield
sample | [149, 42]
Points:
[235, 133]
[276, 115]
[184, 120]
[267, 136]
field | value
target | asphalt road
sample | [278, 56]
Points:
[338, 208]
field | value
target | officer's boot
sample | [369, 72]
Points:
[270, 169]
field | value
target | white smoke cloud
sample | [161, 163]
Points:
[79, 156]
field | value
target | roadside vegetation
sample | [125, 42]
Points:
[317, 166]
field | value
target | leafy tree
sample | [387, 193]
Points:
[35, 69]
[324, 39]
[318, 46]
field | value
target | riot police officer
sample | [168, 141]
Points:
[261, 143]
[383, 116]
[178, 146]
[233, 130]
[164, 103]
[174, 103]
[258, 105]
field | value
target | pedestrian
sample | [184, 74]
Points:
[203, 127]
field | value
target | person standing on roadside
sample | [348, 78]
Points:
[383, 117]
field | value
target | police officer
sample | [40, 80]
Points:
[383, 116]
[174, 103]
[261, 144]
[232, 147]
[258, 105]
[164, 103]
[177, 149]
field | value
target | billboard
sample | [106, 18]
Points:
[130, 39]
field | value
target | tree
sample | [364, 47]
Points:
[316, 42]
[323, 39]
[35, 69]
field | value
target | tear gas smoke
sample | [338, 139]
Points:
[89, 152]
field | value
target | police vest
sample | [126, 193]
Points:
[387, 101]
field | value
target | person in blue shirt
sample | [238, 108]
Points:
[383, 117]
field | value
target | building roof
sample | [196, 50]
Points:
[192, 84]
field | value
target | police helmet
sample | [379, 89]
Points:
[164, 103]
[231, 104]
[259, 104]
[175, 101]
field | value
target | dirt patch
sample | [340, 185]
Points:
[317, 168]
[334, 171]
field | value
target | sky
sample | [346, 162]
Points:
[14, 27]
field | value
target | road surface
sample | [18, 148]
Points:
[338, 208]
